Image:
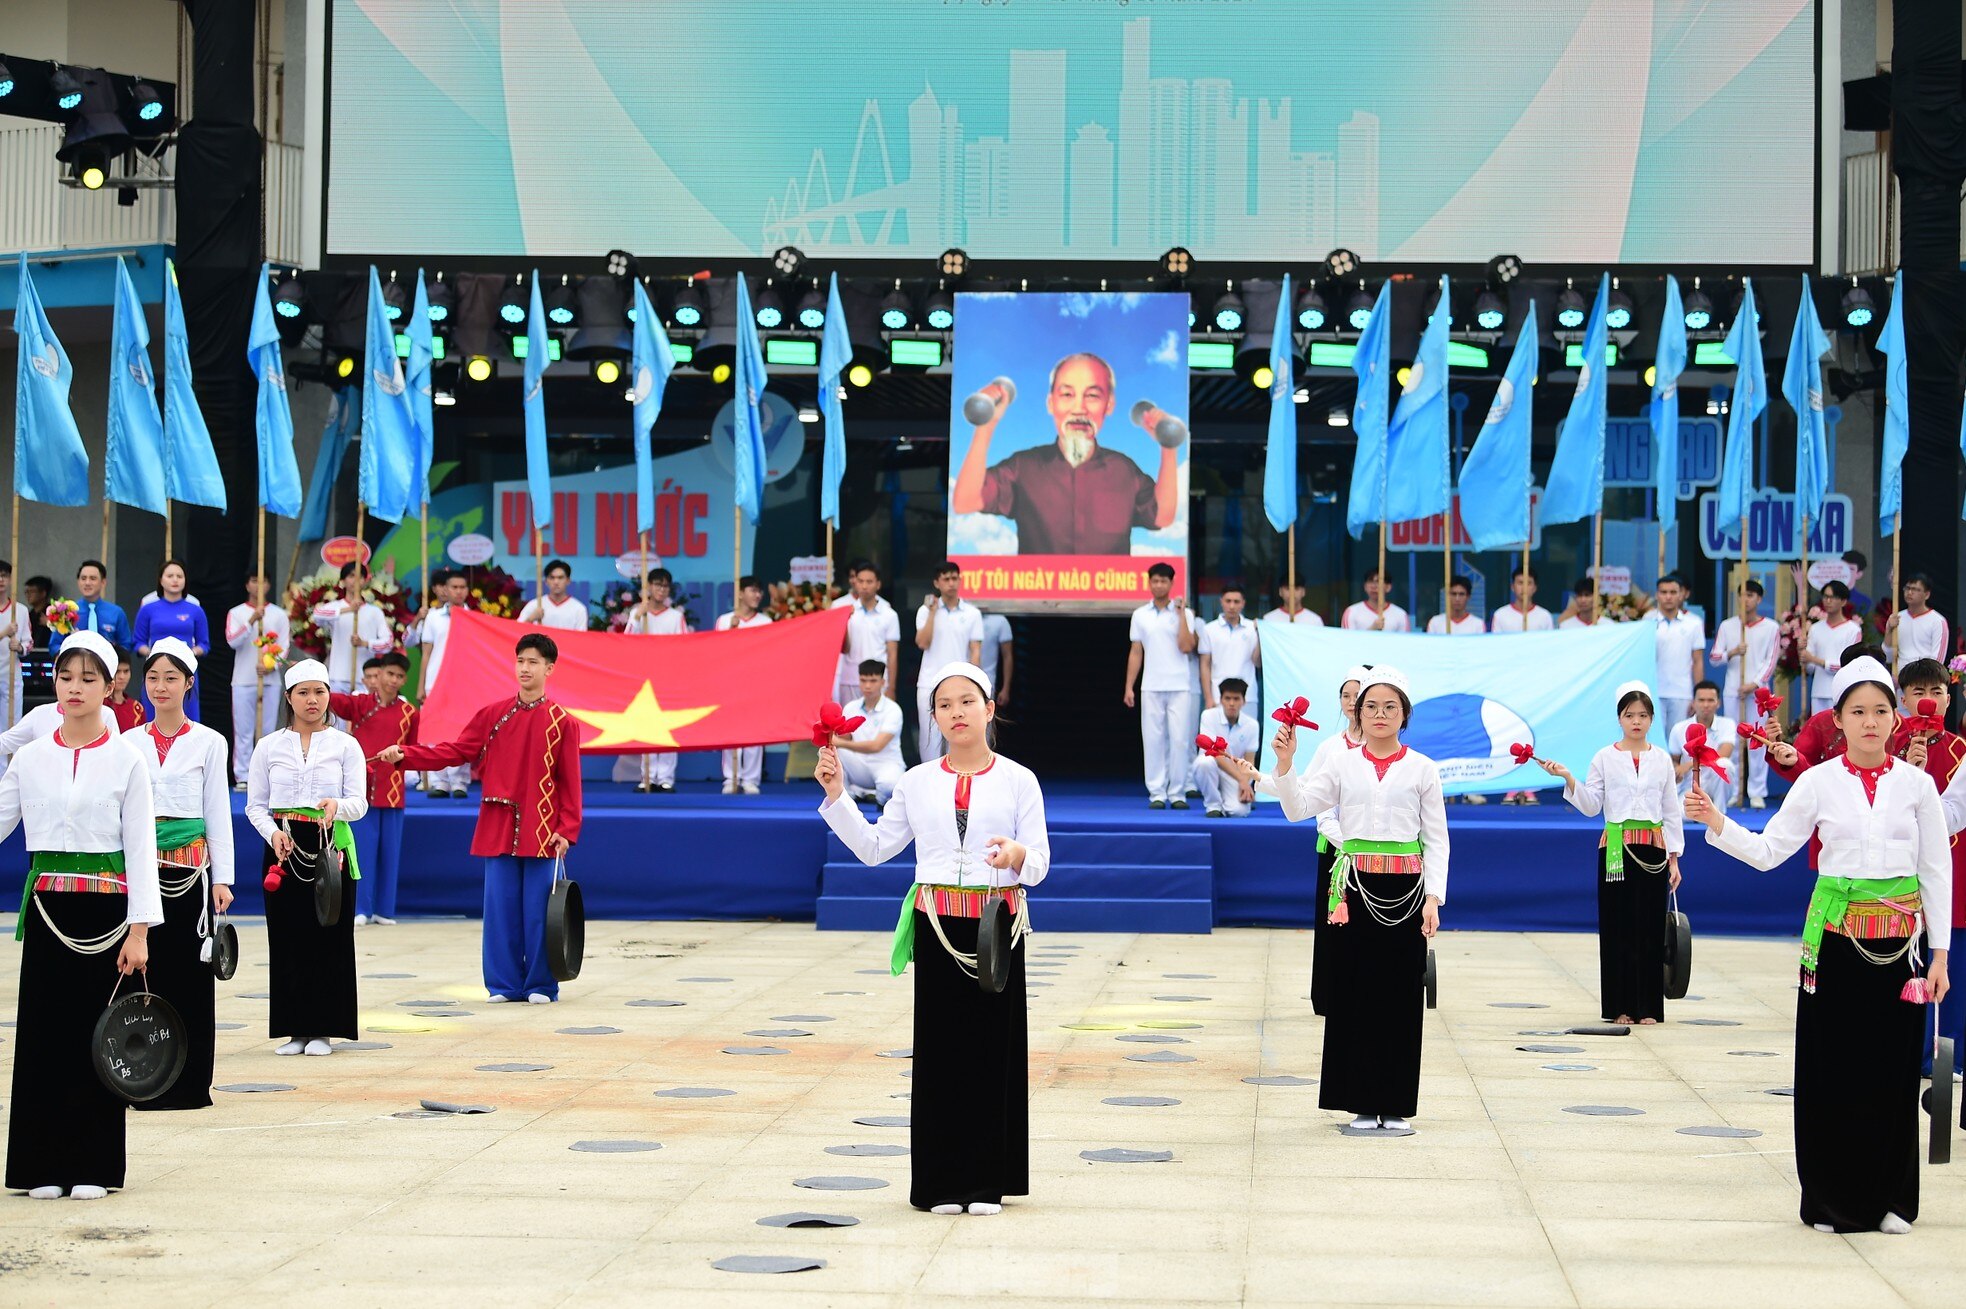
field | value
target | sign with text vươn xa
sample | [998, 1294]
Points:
[1774, 529]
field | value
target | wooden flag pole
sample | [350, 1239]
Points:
[259, 625]
[355, 605]
[829, 552]
[539, 573]
[1597, 568]
[736, 559]
[1447, 568]
[1382, 569]
[104, 556]
[1744, 699]
[13, 552]
[1802, 585]
[1290, 572]
[642, 595]
[168, 552]
[1525, 577]
[423, 535]
[1897, 590]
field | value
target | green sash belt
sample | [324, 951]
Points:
[71, 862]
[1341, 872]
[343, 839]
[904, 936]
[1614, 844]
[176, 833]
[1832, 899]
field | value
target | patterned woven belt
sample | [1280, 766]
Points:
[1878, 920]
[952, 902]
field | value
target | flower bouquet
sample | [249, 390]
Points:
[790, 599]
[270, 650]
[495, 592]
[62, 615]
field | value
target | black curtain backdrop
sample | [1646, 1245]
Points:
[1928, 142]
[218, 256]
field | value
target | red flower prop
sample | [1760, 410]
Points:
[833, 722]
[1293, 713]
[1703, 755]
[1766, 702]
[1213, 746]
[1747, 732]
[1523, 752]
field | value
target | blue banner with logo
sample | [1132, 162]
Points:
[1474, 696]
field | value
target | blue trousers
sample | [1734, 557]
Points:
[515, 927]
[1950, 1015]
[378, 853]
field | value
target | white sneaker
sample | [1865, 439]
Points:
[539, 998]
[97, 1193]
[294, 1046]
[319, 1045]
[239, 786]
[983, 1207]
[1365, 1123]
[1755, 802]
[730, 788]
[749, 788]
[499, 999]
[1891, 1226]
[1395, 1125]
[54, 1193]
[361, 920]
[380, 921]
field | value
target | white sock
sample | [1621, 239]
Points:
[499, 999]
[982, 1207]
[45, 1193]
[319, 1045]
[1894, 1226]
[294, 1046]
[97, 1193]
[1823, 1227]
[935, 1209]
[1365, 1123]
[1395, 1124]
[539, 997]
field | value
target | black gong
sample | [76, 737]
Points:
[1938, 1103]
[566, 929]
[139, 1046]
[225, 950]
[1433, 982]
[1679, 955]
[993, 946]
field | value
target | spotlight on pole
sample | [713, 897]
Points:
[67, 90]
[559, 304]
[1229, 310]
[689, 308]
[955, 262]
[513, 305]
[96, 132]
[607, 371]
[603, 330]
[289, 299]
[939, 310]
[1698, 308]
[1490, 312]
[787, 260]
[395, 299]
[1503, 269]
[767, 308]
[1313, 315]
[1358, 309]
[1858, 308]
[147, 104]
[811, 314]
[897, 311]
[1617, 309]
[480, 368]
[443, 302]
[6, 81]
[1340, 263]
[1571, 311]
[1435, 305]
[1176, 264]
[620, 263]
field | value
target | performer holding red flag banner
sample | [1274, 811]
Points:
[1925, 743]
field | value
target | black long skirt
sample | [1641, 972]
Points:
[312, 967]
[1857, 1051]
[64, 1127]
[1325, 944]
[1374, 1007]
[180, 976]
[969, 1131]
[1631, 942]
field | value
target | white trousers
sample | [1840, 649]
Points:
[448, 779]
[927, 735]
[871, 773]
[1167, 737]
[1757, 762]
[744, 766]
[268, 695]
[661, 767]
[1218, 789]
[1673, 711]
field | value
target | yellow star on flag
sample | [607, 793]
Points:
[643, 722]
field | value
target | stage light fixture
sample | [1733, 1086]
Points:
[1698, 309]
[1617, 309]
[344, 367]
[6, 81]
[954, 262]
[289, 299]
[620, 263]
[96, 133]
[603, 319]
[1858, 308]
[1312, 313]
[767, 308]
[149, 105]
[90, 174]
[860, 375]
[480, 368]
[1571, 311]
[720, 373]
[1489, 312]
[513, 303]
[395, 299]
[67, 89]
[811, 313]
[787, 260]
[1434, 306]
[1229, 310]
[1177, 263]
[1503, 269]
[443, 397]
[441, 301]
[1358, 309]
[940, 309]
[897, 312]
[559, 304]
[1341, 263]
[1337, 418]
[607, 371]
[689, 308]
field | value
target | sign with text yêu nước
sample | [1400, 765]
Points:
[1774, 529]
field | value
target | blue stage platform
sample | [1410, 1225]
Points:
[1117, 866]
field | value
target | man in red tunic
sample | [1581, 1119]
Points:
[377, 719]
[1939, 753]
[1818, 739]
[528, 751]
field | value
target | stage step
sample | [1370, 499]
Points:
[1116, 881]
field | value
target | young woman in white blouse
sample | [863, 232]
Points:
[1632, 783]
[308, 782]
[187, 769]
[86, 914]
[977, 823]
[1884, 873]
[1386, 893]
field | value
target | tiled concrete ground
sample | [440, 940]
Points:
[321, 1195]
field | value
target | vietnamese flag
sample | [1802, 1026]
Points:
[639, 694]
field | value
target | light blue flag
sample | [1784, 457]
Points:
[1576, 485]
[539, 475]
[343, 419]
[1669, 363]
[835, 353]
[133, 454]
[50, 464]
[388, 430]
[750, 428]
[1749, 399]
[1897, 413]
[1495, 483]
[191, 471]
[1802, 383]
[1371, 362]
[1417, 459]
[423, 398]
[1280, 455]
[273, 419]
[653, 363]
